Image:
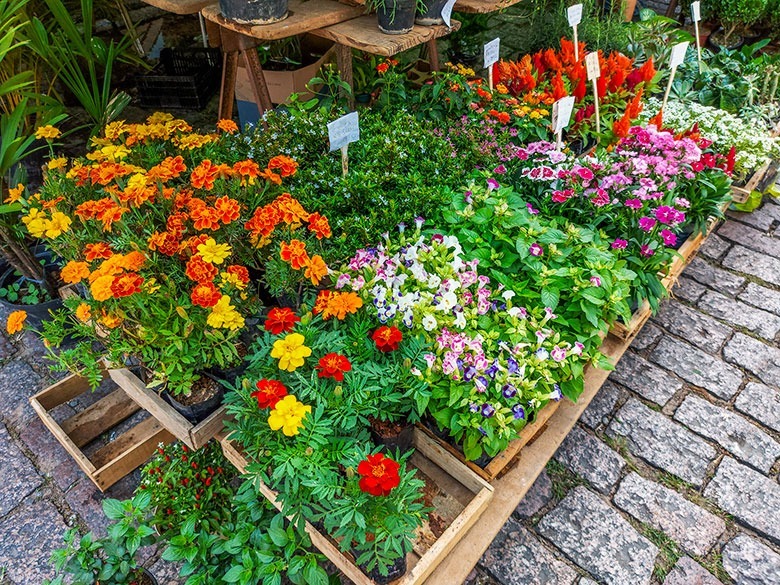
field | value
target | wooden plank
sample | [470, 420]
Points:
[61, 392]
[364, 34]
[209, 427]
[182, 7]
[64, 440]
[483, 6]
[97, 418]
[304, 16]
[128, 451]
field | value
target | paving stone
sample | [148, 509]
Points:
[7, 348]
[697, 367]
[18, 477]
[662, 442]
[761, 402]
[591, 459]
[713, 277]
[586, 581]
[18, 382]
[51, 458]
[535, 498]
[740, 314]
[167, 573]
[27, 538]
[761, 297]
[601, 406]
[760, 219]
[702, 331]
[758, 358]
[86, 500]
[731, 431]
[694, 528]
[687, 289]
[714, 246]
[750, 238]
[750, 262]
[689, 572]
[598, 539]
[517, 557]
[647, 336]
[747, 495]
[750, 562]
[646, 379]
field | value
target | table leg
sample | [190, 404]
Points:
[344, 61]
[259, 85]
[228, 90]
[433, 55]
[203, 34]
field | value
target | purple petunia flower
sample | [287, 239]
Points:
[509, 391]
[488, 411]
[595, 281]
[535, 250]
[469, 373]
[474, 407]
[511, 365]
[558, 354]
[518, 412]
[619, 244]
[492, 184]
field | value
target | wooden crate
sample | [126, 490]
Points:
[740, 194]
[122, 455]
[192, 435]
[459, 484]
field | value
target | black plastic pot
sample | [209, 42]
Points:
[198, 411]
[254, 11]
[36, 314]
[682, 237]
[400, 441]
[396, 17]
[151, 578]
[432, 14]
[396, 571]
[712, 41]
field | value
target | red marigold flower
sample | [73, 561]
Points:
[127, 284]
[387, 338]
[227, 209]
[333, 365]
[198, 270]
[269, 392]
[379, 475]
[319, 226]
[281, 320]
[98, 251]
[239, 271]
[205, 294]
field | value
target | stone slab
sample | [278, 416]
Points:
[51, 458]
[602, 405]
[761, 297]
[759, 219]
[18, 382]
[537, 497]
[687, 289]
[647, 380]
[592, 459]
[762, 403]
[760, 359]
[750, 238]
[715, 278]
[762, 323]
[689, 572]
[18, 476]
[751, 562]
[714, 246]
[751, 262]
[647, 336]
[702, 331]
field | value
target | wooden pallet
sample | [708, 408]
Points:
[192, 435]
[458, 484]
[123, 454]
[740, 194]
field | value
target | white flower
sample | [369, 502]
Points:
[429, 323]
[508, 295]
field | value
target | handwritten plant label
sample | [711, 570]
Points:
[575, 14]
[592, 66]
[696, 11]
[446, 12]
[343, 130]
[678, 54]
[561, 113]
[491, 52]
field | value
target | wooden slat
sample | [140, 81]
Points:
[438, 452]
[483, 6]
[209, 427]
[304, 16]
[61, 392]
[126, 446]
[182, 7]
[64, 440]
[364, 34]
[97, 418]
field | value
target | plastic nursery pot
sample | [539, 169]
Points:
[197, 411]
[716, 40]
[432, 14]
[146, 579]
[396, 17]
[254, 11]
[36, 314]
[395, 571]
[394, 436]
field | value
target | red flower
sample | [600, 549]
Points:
[333, 365]
[126, 285]
[205, 295]
[387, 338]
[281, 320]
[379, 475]
[269, 392]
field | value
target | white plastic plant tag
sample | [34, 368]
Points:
[575, 14]
[696, 11]
[446, 12]
[561, 113]
[491, 52]
[343, 130]
[592, 66]
[678, 54]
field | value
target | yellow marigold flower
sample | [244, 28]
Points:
[213, 252]
[36, 221]
[110, 321]
[159, 118]
[59, 224]
[224, 315]
[288, 415]
[101, 288]
[535, 115]
[15, 194]
[193, 141]
[501, 88]
[47, 132]
[15, 322]
[290, 351]
[115, 129]
[230, 278]
[110, 153]
[57, 163]
[83, 313]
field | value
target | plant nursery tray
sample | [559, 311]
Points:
[122, 454]
[192, 435]
[756, 182]
[459, 497]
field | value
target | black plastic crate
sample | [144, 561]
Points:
[182, 79]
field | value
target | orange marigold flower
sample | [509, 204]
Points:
[74, 272]
[198, 270]
[240, 272]
[101, 287]
[98, 251]
[203, 176]
[340, 304]
[190, 245]
[316, 269]
[175, 222]
[14, 194]
[125, 285]
[294, 254]
[227, 209]
[15, 322]
[290, 210]
[109, 320]
[280, 320]
[164, 242]
[319, 226]
[286, 166]
[83, 312]
[205, 218]
[248, 170]
[263, 221]
[133, 261]
[168, 169]
[205, 294]
[322, 302]
[227, 126]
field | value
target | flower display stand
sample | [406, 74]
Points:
[123, 454]
[192, 435]
[462, 493]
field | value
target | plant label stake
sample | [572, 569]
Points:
[446, 12]
[575, 18]
[490, 57]
[678, 56]
[594, 72]
[561, 115]
[696, 17]
[341, 132]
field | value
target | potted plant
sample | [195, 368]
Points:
[395, 17]
[735, 17]
[430, 14]
[254, 11]
[110, 560]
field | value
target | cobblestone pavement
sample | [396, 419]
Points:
[671, 475]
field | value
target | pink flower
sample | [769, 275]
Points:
[595, 281]
[584, 173]
[669, 238]
[665, 214]
[619, 244]
[558, 354]
[535, 250]
[646, 223]
[646, 250]
[601, 199]
[633, 203]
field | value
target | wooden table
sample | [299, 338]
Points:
[183, 8]
[483, 6]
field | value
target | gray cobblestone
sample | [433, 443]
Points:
[18, 476]
[760, 219]
[689, 572]
[760, 359]
[761, 297]
[750, 238]
[762, 403]
[694, 327]
[646, 379]
[18, 382]
[647, 336]
[688, 290]
[537, 497]
[714, 246]
[601, 406]
[750, 562]
[750, 262]
[713, 277]
[591, 459]
[740, 314]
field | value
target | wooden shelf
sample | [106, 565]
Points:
[364, 34]
[483, 6]
[182, 7]
[305, 16]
